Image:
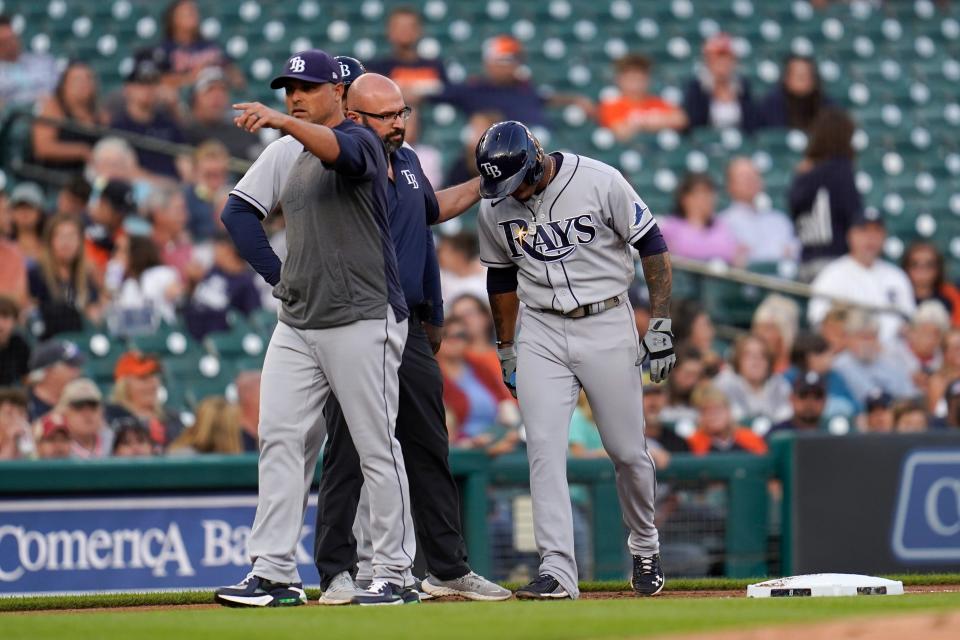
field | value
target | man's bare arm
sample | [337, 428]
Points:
[455, 200]
[505, 307]
[659, 276]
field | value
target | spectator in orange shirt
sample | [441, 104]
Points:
[635, 110]
[716, 431]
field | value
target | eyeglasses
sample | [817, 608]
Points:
[403, 114]
[923, 264]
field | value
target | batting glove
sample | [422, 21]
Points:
[658, 344]
[508, 367]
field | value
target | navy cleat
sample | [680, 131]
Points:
[254, 591]
[382, 593]
[647, 575]
[545, 587]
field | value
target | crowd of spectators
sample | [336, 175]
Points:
[125, 235]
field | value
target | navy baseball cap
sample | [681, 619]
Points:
[878, 399]
[53, 351]
[809, 382]
[870, 215]
[350, 69]
[312, 65]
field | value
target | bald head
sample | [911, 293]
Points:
[374, 93]
[378, 95]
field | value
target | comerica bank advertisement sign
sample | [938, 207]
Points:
[116, 544]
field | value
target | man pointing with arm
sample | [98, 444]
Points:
[342, 327]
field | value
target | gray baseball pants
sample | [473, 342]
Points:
[358, 362]
[556, 356]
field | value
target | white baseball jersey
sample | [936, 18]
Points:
[263, 182]
[572, 241]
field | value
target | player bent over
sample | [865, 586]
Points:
[556, 232]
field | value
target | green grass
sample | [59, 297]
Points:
[106, 601]
[597, 619]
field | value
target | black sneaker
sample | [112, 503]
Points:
[254, 591]
[387, 593]
[543, 588]
[647, 575]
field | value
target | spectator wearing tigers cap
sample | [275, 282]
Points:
[137, 393]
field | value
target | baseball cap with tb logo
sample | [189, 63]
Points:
[312, 65]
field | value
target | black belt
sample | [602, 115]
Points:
[589, 309]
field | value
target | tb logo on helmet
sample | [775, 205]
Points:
[491, 169]
[298, 64]
[344, 71]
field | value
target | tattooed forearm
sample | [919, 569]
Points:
[505, 307]
[659, 277]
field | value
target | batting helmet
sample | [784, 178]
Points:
[350, 68]
[508, 155]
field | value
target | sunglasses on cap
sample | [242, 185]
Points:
[84, 404]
